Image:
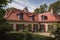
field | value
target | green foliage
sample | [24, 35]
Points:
[4, 26]
[2, 13]
[57, 34]
[28, 28]
[21, 36]
[4, 3]
[40, 37]
[57, 31]
[36, 10]
[55, 6]
[42, 9]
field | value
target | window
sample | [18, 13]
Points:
[42, 28]
[32, 17]
[20, 27]
[43, 17]
[20, 15]
[35, 27]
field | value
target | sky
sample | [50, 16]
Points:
[30, 4]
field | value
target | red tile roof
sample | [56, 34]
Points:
[12, 15]
[51, 17]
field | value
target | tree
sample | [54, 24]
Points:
[42, 9]
[58, 0]
[3, 23]
[57, 34]
[2, 5]
[56, 31]
[36, 10]
[55, 6]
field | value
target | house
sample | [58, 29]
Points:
[44, 22]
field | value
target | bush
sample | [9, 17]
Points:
[40, 37]
[23, 36]
[57, 34]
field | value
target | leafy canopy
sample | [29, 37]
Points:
[56, 7]
[42, 9]
[3, 22]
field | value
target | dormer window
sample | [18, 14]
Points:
[20, 15]
[32, 17]
[43, 17]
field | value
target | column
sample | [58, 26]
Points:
[46, 27]
[32, 27]
[14, 27]
[38, 27]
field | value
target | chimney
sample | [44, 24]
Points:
[52, 10]
[25, 10]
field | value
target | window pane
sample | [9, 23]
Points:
[20, 15]
[32, 17]
[42, 28]
[43, 17]
[20, 27]
[35, 27]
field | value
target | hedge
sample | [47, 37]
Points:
[23, 36]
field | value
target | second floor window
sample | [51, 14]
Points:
[20, 16]
[43, 17]
[32, 17]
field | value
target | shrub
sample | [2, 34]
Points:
[23, 36]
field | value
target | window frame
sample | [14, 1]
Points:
[32, 17]
[19, 27]
[43, 17]
[20, 15]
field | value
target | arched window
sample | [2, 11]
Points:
[43, 17]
